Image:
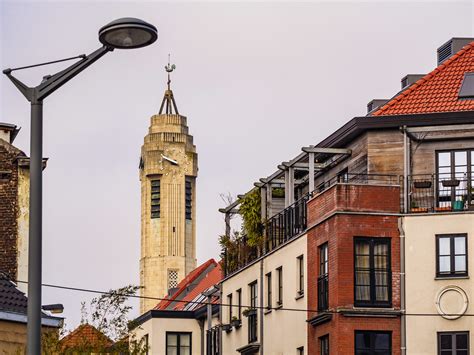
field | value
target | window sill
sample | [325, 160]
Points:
[452, 277]
[267, 311]
[299, 296]
[280, 306]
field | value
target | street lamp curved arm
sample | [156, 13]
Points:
[124, 33]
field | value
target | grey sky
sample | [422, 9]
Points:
[256, 80]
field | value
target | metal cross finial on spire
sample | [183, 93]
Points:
[169, 68]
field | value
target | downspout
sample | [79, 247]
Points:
[403, 326]
[261, 308]
[405, 169]
[201, 327]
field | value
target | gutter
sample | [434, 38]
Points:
[46, 321]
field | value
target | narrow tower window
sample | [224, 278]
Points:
[189, 198]
[155, 199]
[172, 279]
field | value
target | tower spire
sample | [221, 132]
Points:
[168, 103]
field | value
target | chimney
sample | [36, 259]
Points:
[409, 79]
[375, 104]
[452, 46]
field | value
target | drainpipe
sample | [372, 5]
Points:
[403, 325]
[201, 327]
[261, 308]
[405, 169]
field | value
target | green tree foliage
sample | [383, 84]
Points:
[250, 210]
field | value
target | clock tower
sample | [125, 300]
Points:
[168, 171]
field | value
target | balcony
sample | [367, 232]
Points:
[440, 193]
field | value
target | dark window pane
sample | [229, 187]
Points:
[446, 341]
[461, 341]
[382, 341]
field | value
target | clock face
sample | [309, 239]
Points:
[175, 161]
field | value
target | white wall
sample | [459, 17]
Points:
[284, 331]
[422, 287]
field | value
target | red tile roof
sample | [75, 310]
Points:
[436, 91]
[189, 285]
[86, 335]
[211, 279]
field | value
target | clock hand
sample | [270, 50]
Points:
[172, 161]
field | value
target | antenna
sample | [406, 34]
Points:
[169, 68]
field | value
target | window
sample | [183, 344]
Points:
[146, 344]
[269, 290]
[372, 272]
[300, 266]
[300, 350]
[189, 198]
[252, 317]
[324, 345]
[172, 278]
[280, 286]
[323, 278]
[239, 303]
[178, 343]
[455, 174]
[229, 302]
[373, 343]
[467, 87]
[155, 199]
[343, 175]
[451, 255]
[453, 343]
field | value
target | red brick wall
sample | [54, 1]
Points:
[8, 211]
[339, 231]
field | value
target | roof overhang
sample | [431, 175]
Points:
[46, 321]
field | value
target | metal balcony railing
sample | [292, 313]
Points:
[439, 193]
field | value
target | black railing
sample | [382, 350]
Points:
[239, 255]
[323, 292]
[364, 179]
[287, 224]
[439, 193]
[252, 319]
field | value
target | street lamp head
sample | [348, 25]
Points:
[128, 33]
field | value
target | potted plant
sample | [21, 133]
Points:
[227, 328]
[236, 322]
[450, 183]
[422, 184]
[249, 312]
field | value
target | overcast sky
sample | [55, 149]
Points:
[257, 82]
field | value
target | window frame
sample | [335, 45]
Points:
[324, 340]
[268, 281]
[300, 275]
[371, 332]
[155, 202]
[300, 350]
[252, 319]
[373, 301]
[279, 271]
[239, 303]
[229, 302]
[453, 335]
[452, 256]
[323, 277]
[179, 334]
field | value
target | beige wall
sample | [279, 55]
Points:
[22, 227]
[422, 287]
[284, 331]
[12, 337]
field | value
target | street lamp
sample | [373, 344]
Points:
[124, 33]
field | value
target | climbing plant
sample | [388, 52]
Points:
[250, 210]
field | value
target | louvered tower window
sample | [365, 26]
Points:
[155, 199]
[189, 198]
[172, 278]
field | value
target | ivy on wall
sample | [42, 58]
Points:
[250, 211]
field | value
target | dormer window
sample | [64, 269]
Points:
[467, 87]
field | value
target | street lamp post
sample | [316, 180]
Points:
[124, 33]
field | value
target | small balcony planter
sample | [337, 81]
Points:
[458, 205]
[450, 183]
[236, 323]
[249, 312]
[422, 184]
[227, 328]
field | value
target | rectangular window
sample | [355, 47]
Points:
[178, 343]
[279, 286]
[189, 197]
[453, 343]
[268, 278]
[239, 303]
[252, 316]
[373, 343]
[172, 278]
[155, 199]
[372, 272]
[323, 278]
[324, 344]
[229, 302]
[300, 350]
[455, 175]
[451, 255]
[300, 267]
